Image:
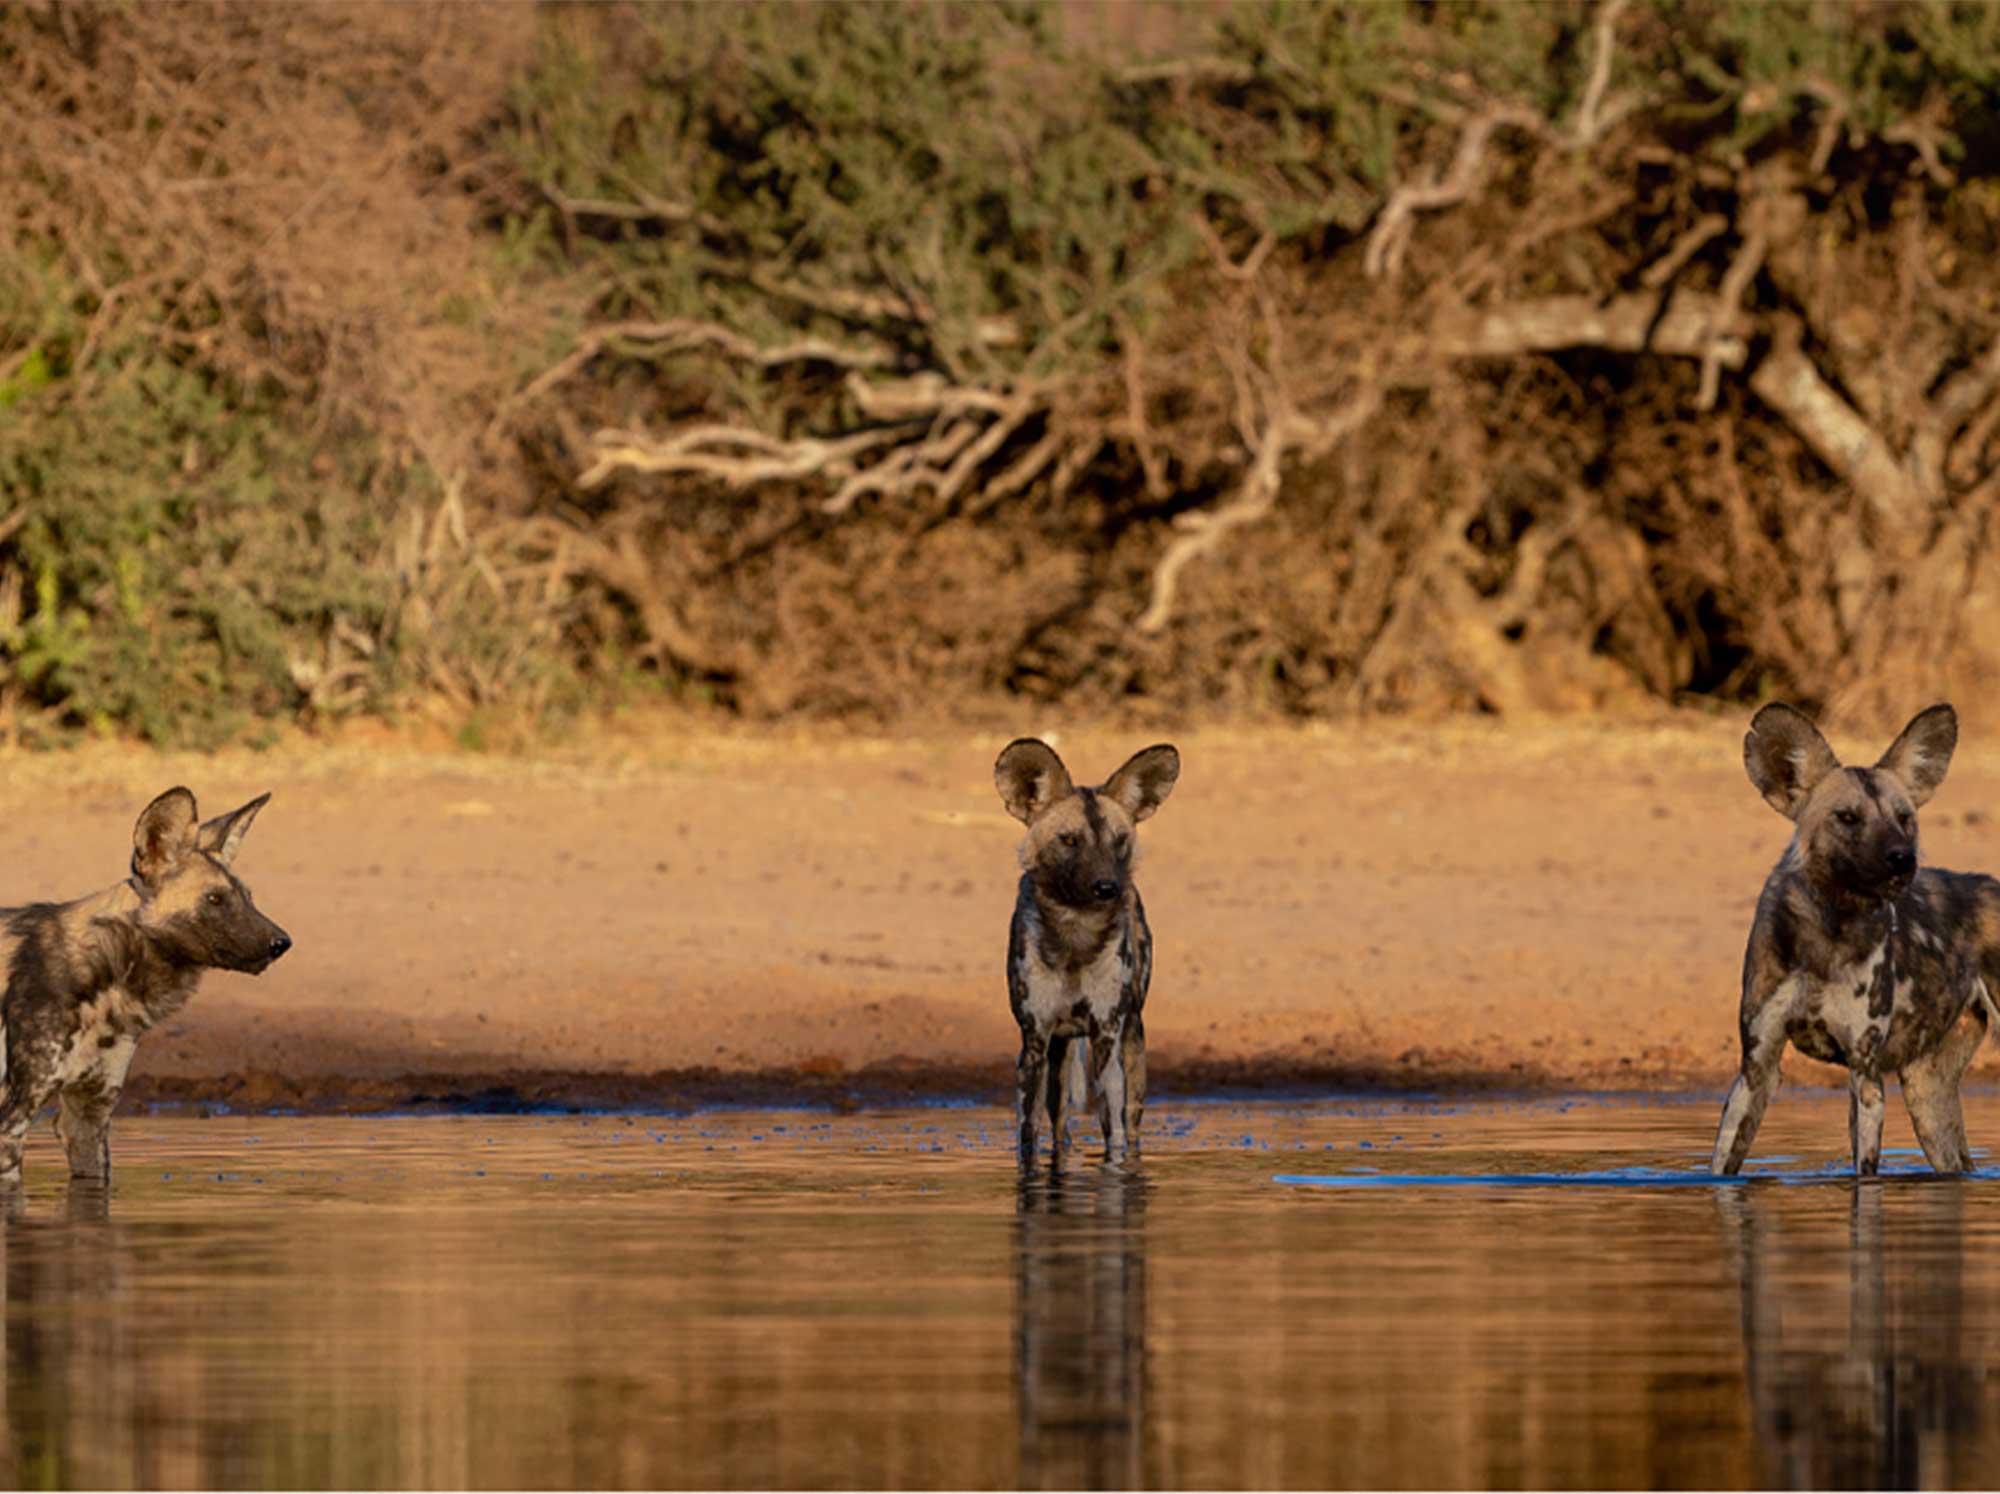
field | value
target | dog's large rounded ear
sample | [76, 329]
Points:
[1921, 754]
[1030, 778]
[1786, 758]
[164, 835]
[1142, 785]
[223, 835]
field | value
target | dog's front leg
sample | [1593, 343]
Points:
[1763, 1045]
[1742, 1114]
[1107, 1072]
[1743, 1111]
[1056, 1085]
[1864, 1122]
[84, 1109]
[1030, 1074]
[83, 1121]
[1132, 1054]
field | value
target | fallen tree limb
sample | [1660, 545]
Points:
[1683, 249]
[1625, 324]
[1201, 532]
[678, 336]
[1593, 114]
[1735, 280]
[1784, 378]
[1391, 236]
[731, 454]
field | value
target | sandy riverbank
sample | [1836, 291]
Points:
[679, 916]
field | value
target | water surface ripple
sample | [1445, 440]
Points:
[1403, 1294]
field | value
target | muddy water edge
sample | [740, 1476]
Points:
[1307, 1294]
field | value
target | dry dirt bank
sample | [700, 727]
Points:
[674, 917]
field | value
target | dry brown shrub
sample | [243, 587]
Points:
[289, 194]
[859, 359]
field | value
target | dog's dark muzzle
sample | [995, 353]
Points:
[1894, 871]
[272, 952]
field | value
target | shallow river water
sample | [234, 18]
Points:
[1404, 1294]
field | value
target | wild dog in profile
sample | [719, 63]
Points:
[1857, 956]
[86, 979]
[1079, 953]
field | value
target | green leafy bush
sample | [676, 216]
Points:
[183, 563]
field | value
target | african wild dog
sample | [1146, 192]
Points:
[86, 979]
[1079, 953]
[1857, 956]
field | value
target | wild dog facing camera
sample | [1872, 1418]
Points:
[1859, 955]
[1080, 953]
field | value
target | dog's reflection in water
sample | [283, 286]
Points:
[1856, 1350]
[1080, 1338]
[69, 1362]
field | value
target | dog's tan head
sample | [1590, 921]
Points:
[1857, 826]
[1081, 842]
[191, 904]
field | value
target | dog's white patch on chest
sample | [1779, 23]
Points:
[1840, 1002]
[1860, 979]
[1055, 996]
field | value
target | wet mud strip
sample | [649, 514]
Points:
[872, 1087]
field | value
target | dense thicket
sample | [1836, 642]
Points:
[868, 359]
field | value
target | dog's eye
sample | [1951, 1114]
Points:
[1848, 817]
[216, 898]
[1070, 838]
[1123, 842]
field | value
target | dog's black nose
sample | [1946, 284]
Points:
[280, 944]
[1902, 861]
[1104, 892]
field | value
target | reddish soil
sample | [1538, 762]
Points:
[692, 916]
